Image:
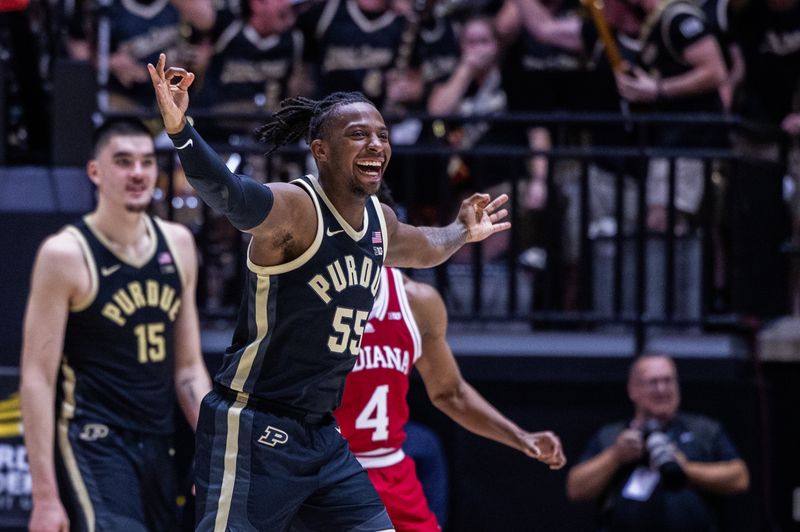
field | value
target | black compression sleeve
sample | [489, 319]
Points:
[245, 202]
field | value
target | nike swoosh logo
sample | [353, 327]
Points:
[105, 272]
[186, 144]
[331, 233]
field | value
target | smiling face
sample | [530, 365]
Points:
[354, 150]
[653, 388]
[124, 171]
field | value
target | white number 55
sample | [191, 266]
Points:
[346, 325]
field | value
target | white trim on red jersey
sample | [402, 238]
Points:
[413, 328]
[373, 462]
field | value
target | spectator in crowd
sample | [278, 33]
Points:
[111, 338]
[476, 88]
[542, 27]
[769, 33]
[225, 13]
[351, 45]
[719, 16]
[139, 31]
[680, 70]
[663, 469]
[539, 77]
[428, 55]
[769, 97]
[256, 63]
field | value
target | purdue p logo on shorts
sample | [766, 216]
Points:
[93, 431]
[273, 437]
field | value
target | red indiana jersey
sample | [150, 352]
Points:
[374, 412]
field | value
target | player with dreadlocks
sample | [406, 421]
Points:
[268, 450]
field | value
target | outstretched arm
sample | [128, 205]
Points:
[268, 212]
[424, 247]
[451, 394]
[245, 202]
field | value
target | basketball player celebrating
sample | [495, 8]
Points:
[406, 328]
[111, 336]
[268, 449]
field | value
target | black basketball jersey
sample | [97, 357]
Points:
[667, 33]
[352, 51]
[144, 30]
[300, 323]
[438, 52]
[118, 364]
[716, 13]
[248, 71]
[770, 40]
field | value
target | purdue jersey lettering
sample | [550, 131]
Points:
[136, 295]
[339, 278]
[300, 327]
[118, 364]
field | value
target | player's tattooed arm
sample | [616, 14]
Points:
[448, 238]
[191, 378]
[424, 247]
[186, 387]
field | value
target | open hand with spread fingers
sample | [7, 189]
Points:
[172, 98]
[481, 217]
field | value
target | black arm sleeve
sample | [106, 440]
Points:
[245, 202]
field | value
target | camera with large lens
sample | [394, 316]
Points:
[661, 454]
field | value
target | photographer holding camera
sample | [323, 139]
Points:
[662, 470]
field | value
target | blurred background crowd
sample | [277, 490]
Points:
[498, 95]
[650, 148]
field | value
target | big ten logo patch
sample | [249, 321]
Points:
[273, 437]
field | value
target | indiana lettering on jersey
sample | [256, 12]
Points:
[343, 273]
[130, 298]
[387, 357]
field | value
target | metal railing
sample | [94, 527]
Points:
[631, 276]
